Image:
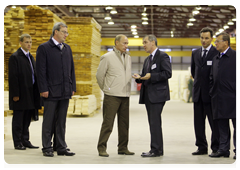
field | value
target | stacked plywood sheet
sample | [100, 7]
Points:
[38, 22]
[13, 28]
[85, 41]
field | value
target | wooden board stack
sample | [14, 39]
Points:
[13, 28]
[38, 22]
[85, 41]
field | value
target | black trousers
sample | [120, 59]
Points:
[201, 110]
[111, 106]
[154, 111]
[55, 112]
[20, 127]
[225, 134]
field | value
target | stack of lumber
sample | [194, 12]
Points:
[38, 22]
[85, 41]
[6, 110]
[82, 105]
[13, 28]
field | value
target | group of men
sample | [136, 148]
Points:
[52, 76]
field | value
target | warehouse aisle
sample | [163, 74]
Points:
[82, 136]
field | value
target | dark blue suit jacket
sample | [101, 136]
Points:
[161, 71]
[55, 70]
[200, 72]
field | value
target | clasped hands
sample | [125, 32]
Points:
[137, 76]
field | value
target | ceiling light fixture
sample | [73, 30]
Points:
[133, 26]
[192, 19]
[225, 27]
[107, 17]
[195, 12]
[110, 22]
[134, 33]
[144, 22]
[109, 8]
[145, 18]
[190, 24]
[234, 19]
[221, 30]
[133, 29]
[144, 14]
[113, 11]
[136, 36]
[230, 23]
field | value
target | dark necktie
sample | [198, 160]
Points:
[221, 55]
[31, 67]
[204, 55]
[148, 68]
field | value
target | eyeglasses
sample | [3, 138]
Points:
[218, 41]
[65, 32]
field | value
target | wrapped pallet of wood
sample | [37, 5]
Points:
[85, 41]
[13, 28]
[85, 105]
[38, 22]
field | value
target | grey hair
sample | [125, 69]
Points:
[225, 37]
[151, 38]
[58, 26]
[118, 37]
[24, 35]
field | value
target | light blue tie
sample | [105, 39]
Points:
[31, 67]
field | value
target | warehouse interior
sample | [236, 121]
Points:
[92, 30]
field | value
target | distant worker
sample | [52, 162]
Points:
[201, 64]
[24, 96]
[114, 79]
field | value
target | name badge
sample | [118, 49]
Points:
[154, 66]
[209, 63]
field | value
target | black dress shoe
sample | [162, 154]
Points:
[213, 153]
[55, 149]
[20, 147]
[31, 146]
[161, 153]
[220, 154]
[200, 152]
[48, 154]
[67, 153]
[149, 154]
[234, 157]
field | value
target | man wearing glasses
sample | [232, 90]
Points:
[201, 64]
[223, 93]
[56, 80]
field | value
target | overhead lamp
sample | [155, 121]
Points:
[172, 35]
[221, 30]
[234, 19]
[136, 36]
[109, 8]
[225, 27]
[113, 11]
[144, 22]
[230, 23]
[190, 24]
[217, 33]
[198, 8]
[13, 6]
[110, 22]
[134, 33]
[192, 19]
[133, 29]
[133, 26]
[107, 17]
[144, 14]
[195, 12]
[145, 18]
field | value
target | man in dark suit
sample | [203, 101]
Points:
[56, 81]
[24, 97]
[154, 91]
[201, 64]
[223, 93]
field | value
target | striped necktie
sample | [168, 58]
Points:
[31, 67]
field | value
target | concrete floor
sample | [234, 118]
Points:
[83, 132]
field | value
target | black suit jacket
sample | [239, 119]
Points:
[20, 82]
[223, 85]
[161, 71]
[200, 72]
[55, 70]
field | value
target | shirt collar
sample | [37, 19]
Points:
[24, 51]
[154, 52]
[226, 50]
[208, 48]
[55, 41]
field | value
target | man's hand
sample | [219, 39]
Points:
[16, 98]
[136, 76]
[45, 94]
[73, 93]
[146, 77]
